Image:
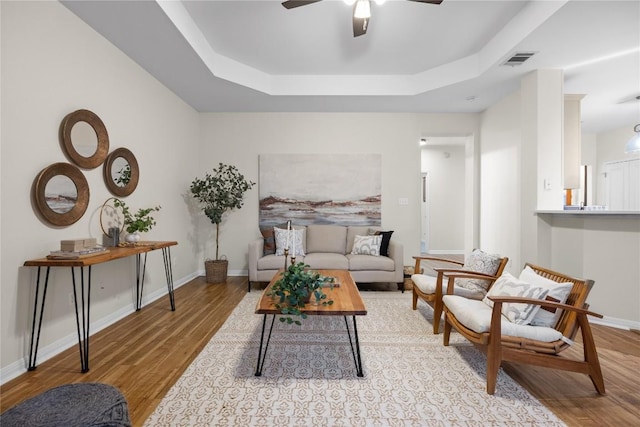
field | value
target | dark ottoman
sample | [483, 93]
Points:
[83, 404]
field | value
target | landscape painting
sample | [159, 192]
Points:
[343, 189]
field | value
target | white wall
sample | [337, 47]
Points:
[445, 165]
[599, 247]
[609, 148]
[53, 64]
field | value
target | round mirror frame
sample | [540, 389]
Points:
[82, 188]
[114, 188]
[101, 133]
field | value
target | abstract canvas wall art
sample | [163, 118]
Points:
[343, 189]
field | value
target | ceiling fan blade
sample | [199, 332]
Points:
[290, 4]
[360, 26]
[428, 1]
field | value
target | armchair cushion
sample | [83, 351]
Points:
[427, 284]
[476, 315]
[480, 262]
[518, 313]
[558, 292]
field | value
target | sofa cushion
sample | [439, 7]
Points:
[326, 238]
[367, 245]
[558, 292]
[480, 262]
[427, 284]
[357, 230]
[274, 262]
[476, 315]
[370, 263]
[295, 238]
[509, 286]
[329, 261]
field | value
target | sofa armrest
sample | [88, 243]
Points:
[256, 251]
[396, 253]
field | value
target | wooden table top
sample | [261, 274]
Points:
[346, 298]
[112, 254]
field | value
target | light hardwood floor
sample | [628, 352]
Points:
[145, 353]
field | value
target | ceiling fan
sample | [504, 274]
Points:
[361, 11]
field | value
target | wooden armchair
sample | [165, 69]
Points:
[431, 289]
[503, 340]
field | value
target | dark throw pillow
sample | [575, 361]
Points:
[384, 246]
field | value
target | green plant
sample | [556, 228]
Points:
[124, 176]
[141, 221]
[219, 192]
[294, 290]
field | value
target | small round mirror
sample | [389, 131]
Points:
[84, 139]
[121, 172]
[61, 194]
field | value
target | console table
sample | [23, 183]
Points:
[82, 309]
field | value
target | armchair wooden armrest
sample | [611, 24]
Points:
[544, 303]
[419, 258]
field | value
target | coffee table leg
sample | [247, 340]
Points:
[261, 355]
[356, 353]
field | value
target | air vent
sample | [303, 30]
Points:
[518, 58]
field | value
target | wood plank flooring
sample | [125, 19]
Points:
[145, 353]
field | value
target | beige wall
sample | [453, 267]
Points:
[241, 138]
[53, 64]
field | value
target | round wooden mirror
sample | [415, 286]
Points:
[84, 138]
[61, 194]
[121, 172]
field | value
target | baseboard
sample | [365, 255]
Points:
[446, 252]
[45, 353]
[614, 322]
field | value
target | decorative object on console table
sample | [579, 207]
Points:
[295, 288]
[217, 193]
[141, 221]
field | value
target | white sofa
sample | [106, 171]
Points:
[329, 247]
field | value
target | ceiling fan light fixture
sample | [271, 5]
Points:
[363, 9]
[380, 2]
[349, 2]
[633, 145]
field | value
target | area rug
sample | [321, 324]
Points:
[309, 376]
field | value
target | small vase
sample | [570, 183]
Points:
[132, 237]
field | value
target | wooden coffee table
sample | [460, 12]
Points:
[346, 302]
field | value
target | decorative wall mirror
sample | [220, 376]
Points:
[61, 194]
[121, 172]
[84, 138]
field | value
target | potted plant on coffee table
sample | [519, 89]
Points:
[219, 192]
[295, 288]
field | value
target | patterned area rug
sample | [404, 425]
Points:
[309, 376]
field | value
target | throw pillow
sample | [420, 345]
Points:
[518, 313]
[367, 245]
[386, 237]
[558, 292]
[480, 262]
[295, 241]
[269, 247]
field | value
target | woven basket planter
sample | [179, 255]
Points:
[216, 270]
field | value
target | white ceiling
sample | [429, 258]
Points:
[245, 56]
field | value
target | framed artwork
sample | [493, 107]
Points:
[343, 189]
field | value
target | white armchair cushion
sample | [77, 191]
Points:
[476, 315]
[518, 313]
[427, 284]
[558, 292]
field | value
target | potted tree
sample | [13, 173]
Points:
[293, 291]
[218, 193]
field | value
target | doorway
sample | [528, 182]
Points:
[446, 195]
